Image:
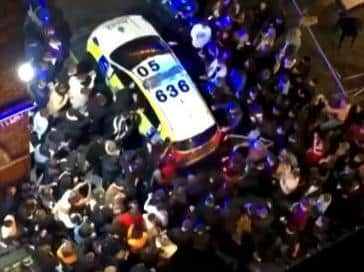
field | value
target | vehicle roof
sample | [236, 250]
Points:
[118, 31]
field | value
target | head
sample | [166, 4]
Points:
[72, 70]
[111, 148]
[67, 249]
[8, 228]
[261, 211]
[74, 197]
[262, 5]
[186, 225]
[62, 88]
[101, 99]
[210, 200]
[111, 268]
[86, 229]
[266, 74]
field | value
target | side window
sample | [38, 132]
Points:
[148, 110]
[125, 79]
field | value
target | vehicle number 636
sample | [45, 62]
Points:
[172, 90]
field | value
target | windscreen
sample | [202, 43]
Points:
[132, 53]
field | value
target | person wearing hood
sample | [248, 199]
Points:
[73, 124]
[182, 235]
[210, 212]
[67, 253]
[262, 231]
[84, 232]
[9, 199]
[201, 239]
[110, 162]
[9, 228]
[40, 123]
[41, 155]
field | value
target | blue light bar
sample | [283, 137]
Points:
[16, 110]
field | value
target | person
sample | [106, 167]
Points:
[66, 253]
[316, 151]
[267, 39]
[136, 238]
[201, 34]
[98, 109]
[293, 39]
[201, 239]
[226, 7]
[70, 199]
[40, 92]
[72, 123]
[216, 71]
[40, 123]
[9, 229]
[349, 27]
[232, 112]
[58, 98]
[80, 86]
[157, 209]
[182, 235]
[262, 231]
[337, 114]
[166, 247]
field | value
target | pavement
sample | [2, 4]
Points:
[347, 62]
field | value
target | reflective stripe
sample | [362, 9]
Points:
[115, 83]
[94, 50]
[144, 126]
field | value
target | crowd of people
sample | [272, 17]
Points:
[287, 178]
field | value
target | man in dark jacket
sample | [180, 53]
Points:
[349, 27]
[182, 235]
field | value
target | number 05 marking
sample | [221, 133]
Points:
[144, 71]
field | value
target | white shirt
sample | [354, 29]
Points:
[40, 124]
[162, 215]
[201, 35]
[38, 156]
[61, 210]
[78, 100]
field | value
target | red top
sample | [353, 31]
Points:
[168, 170]
[127, 219]
[356, 132]
[316, 152]
[299, 218]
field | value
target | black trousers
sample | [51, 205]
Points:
[343, 35]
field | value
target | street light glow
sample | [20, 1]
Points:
[26, 72]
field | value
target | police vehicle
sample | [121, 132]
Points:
[128, 49]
